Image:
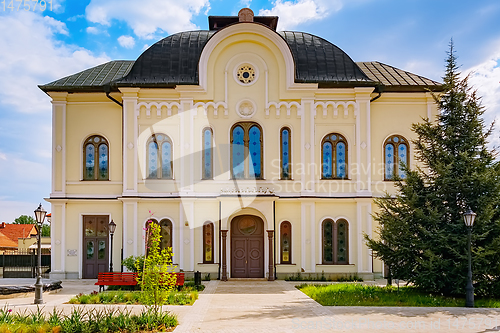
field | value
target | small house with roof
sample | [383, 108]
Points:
[258, 152]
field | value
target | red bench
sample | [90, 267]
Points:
[125, 279]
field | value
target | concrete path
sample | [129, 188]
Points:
[247, 306]
[261, 306]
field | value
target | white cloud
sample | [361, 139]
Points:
[147, 17]
[294, 13]
[485, 77]
[92, 30]
[33, 56]
[127, 42]
[10, 210]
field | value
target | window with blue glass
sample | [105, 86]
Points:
[334, 157]
[395, 157]
[286, 166]
[159, 157]
[96, 158]
[246, 151]
[207, 158]
[335, 247]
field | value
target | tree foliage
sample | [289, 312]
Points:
[25, 219]
[156, 278]
[423, 237]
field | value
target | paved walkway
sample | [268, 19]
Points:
[247, 306]
[261, 306]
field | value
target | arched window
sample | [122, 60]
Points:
[165, 233]
[334, 157]
[208, 243]
[246, 140]
[335, 242]
[286, 242]
[159, 157]
[207, 159]
[95, 158]
[286, 166]
[395, 154]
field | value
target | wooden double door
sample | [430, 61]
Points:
[247, 247]
[95, 245]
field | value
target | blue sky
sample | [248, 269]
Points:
[37, 47]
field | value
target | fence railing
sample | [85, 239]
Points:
[22, 264]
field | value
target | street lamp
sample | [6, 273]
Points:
[40, 217]
[112, 227]
[469, 218]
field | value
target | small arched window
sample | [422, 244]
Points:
[96, 158]
[334, 157]
[286, 242]
[286, 166]
[208, 243]
[395, 156]
[246, 140]
[207, 159]
[165, 233]
[335, 242]
[159, 157]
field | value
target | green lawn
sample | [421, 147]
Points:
[344, 294]
[184, 297]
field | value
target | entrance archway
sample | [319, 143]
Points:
[247, 247]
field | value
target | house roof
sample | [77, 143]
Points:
[174, 61]
[15, 231]
[7, 242]
[395, 79]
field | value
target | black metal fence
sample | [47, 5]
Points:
[22, 264]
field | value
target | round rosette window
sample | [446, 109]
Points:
[246, 74]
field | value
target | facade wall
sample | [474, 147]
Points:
[130, 198]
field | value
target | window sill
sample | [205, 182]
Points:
[286, 264]
[206, 263]
[335, 265]
[346, 179]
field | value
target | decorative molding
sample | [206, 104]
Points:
[248, 190]
[215, 106]
[72, 252]
[130, 145]
[158, 105]
[307, 146]
[288, 106]
[130, 241]
[363, 145]
[246, 108]
[58, 148]
[186, 241]
[248, 67]
[335, 106]
[58, 242]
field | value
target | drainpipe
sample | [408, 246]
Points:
[107, 90]
[274, 248]
[380, 89]
[220, 241]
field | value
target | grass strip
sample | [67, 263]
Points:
[356, 294]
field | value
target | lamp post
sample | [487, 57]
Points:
[40, 217]
[112, 227]
[469, 217]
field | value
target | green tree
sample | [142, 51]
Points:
[422, 235]
[156, 278]
[25, 219]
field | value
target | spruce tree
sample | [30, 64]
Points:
[422, 235]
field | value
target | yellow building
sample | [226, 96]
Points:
[258, 152]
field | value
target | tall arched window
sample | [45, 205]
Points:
[95, 158]
[207, 159]
[286, 242]
[334, 157]
[208, 243]
[165, 232]
[395, 154]
[159, 157]
[335, 242]
[286, 166]
[246, 141]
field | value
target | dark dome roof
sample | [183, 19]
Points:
[174, 61]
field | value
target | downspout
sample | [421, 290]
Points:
[220, 245]
[380, 89]
[107, 90]
[274, 248]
